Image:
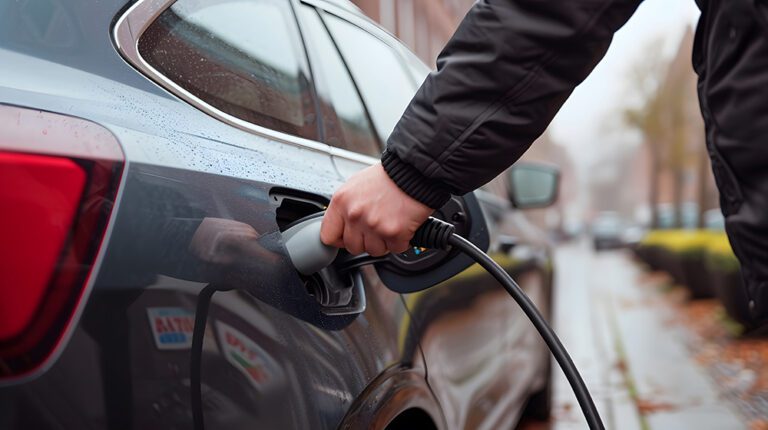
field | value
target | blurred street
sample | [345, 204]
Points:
[624, 335]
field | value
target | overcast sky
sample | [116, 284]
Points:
[582, 121]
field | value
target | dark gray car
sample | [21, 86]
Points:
[150, 149]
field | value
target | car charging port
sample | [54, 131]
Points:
[337, 290]
[330, 287]
[420, 259]
[291, 205]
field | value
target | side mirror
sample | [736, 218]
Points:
[532, 185]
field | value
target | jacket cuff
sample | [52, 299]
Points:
[427, 191]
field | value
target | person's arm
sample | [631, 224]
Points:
[499, 82]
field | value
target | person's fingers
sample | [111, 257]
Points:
[394, 235]
[374, 245]
[398, 246]
[371, 204]
[332, 228]
[353, 239]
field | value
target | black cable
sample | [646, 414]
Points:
[438, 234]
[434, 234]
[196, 354]
[352, 262]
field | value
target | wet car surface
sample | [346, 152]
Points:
[199, 195]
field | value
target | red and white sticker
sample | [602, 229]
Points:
[171, 327]
[245, 355]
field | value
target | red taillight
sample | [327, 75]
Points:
[38, 206]
[58, 181]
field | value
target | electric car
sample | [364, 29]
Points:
[152, 148]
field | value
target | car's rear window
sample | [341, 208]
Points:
[241, 57]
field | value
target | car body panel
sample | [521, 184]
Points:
[180, 168]
[272, 358]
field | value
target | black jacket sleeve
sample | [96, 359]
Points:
[499, 82]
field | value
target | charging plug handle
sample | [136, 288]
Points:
[307, 252]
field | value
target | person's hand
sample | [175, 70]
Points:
[369, 213]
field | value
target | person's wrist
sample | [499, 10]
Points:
[410, 180]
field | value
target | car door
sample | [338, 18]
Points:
[218, 162]
[483, 357]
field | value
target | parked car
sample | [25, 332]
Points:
[150, 149]
[607, 230]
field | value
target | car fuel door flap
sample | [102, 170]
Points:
[338, 291]
[420, 268]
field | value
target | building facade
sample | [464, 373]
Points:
[424, 25]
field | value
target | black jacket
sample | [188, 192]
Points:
[512, 63]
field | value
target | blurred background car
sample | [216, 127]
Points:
[607, 230]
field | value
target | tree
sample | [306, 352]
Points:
[647, 117]
[668, 118]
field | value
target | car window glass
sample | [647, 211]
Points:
[383, 81]
[345, 121]
[241, 57]
[419, 70]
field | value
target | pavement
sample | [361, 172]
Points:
[633, 357]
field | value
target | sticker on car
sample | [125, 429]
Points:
[171, 327]
[246, 356]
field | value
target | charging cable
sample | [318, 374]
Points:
[308, 254]
[438, 234]
[196, 356]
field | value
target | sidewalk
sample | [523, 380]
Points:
[620, 332]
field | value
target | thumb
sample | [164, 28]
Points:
[332, 228]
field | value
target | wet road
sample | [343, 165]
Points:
[618, 331]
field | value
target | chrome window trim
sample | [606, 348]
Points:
[126, 33]
[357, 18]
[364, 23]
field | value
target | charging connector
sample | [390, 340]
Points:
[305, 249]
